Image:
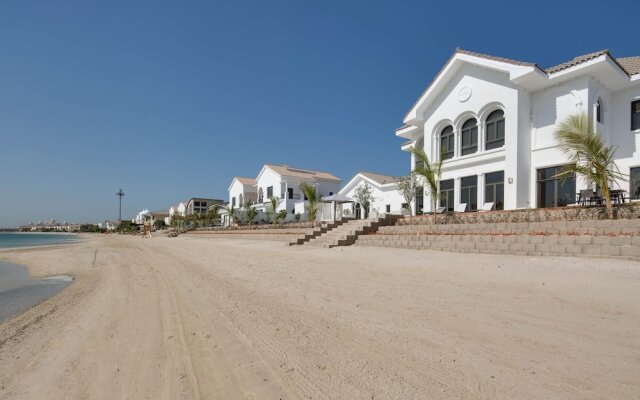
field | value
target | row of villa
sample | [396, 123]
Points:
[493, 121]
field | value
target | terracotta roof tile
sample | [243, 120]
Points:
[245, 181]
[381, 179]
[302, 173]
[630, 64]
[576, 61]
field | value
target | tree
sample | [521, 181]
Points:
[431, 174]
[273, 209]
[311, 195]
[250, 213]
[363, 195]
[408, 186]
[589, 155]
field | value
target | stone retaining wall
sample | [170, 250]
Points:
[280, 235]
[575, 213]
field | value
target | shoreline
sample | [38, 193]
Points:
[196, 317]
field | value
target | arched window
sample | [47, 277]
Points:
[495, 130]
[447, 142]
[469, 137]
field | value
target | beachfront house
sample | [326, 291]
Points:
[200, 205]
[283, 182]
[385, 196]
[493, 120]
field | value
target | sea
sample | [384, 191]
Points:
[20, 291]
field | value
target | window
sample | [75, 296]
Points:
[419, 200]
[469, 192]
[634, 183]
[447, 194]
[269, 192]
[447, 142]
[197, 204]
[495, 130]
[388, 208]
[598, 112]
[494, 189]
[233, 202]
[330, 193]
[290, 193]
[635, 115]
[470, 137]
[554, 191]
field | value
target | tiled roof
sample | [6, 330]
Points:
[160, 212]
[403, 127]
[499, 59]
[630, 64]
[576, 61]
[381, 179]
[301, 173]
[246, 181]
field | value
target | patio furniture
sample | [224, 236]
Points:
[586, 197]
[487, 206]
[462, 207]
[617, 195]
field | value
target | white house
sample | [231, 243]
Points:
[242, 190]
[493, 119]
[283, 183]
[140, 217]
[386, 197]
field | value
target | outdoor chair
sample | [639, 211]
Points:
[462, 207]
[586, 197]
[487, 206]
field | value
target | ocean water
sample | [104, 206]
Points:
[11, 239]
[20, 291]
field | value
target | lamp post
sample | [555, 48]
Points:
[120, 194]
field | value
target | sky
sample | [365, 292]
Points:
[170, 99]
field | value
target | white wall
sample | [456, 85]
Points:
[383, 195]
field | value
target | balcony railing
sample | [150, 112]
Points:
[292, 197]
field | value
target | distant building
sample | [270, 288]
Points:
[386, 197]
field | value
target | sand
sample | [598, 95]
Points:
[198, 318]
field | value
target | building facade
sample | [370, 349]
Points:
[493, 121]
[386, 197]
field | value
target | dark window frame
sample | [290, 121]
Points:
[494, 187]
[635, 115]
[493, 123]
[447, 194]
[467, 189]
[547, 176]
[447, 136]
[469, 131]
[634, 182]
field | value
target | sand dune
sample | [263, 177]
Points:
[198, 318]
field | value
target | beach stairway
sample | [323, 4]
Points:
[322, 229]
[618, 238]
[347, 234]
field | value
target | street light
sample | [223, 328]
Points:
[120, 194]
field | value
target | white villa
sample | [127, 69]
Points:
[384, 191]
[493, 119]
[283, 183]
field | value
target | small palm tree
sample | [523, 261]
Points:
[431, 174]
[311, 194]
[589, 155]
[251, 213]
[273, 203]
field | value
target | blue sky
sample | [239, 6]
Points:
[172, 99]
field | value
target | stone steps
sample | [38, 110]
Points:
[348, 233]
[324, 228]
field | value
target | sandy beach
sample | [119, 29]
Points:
[198, 318]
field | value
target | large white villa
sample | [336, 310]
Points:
[386, 198]
[283, 183]
[493, 119]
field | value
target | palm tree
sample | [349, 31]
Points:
[311, 194]
[273, 202]
[589, 155]
[431, 174]
[250, 212]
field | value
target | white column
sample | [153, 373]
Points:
[480, 191]
[456, 193]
